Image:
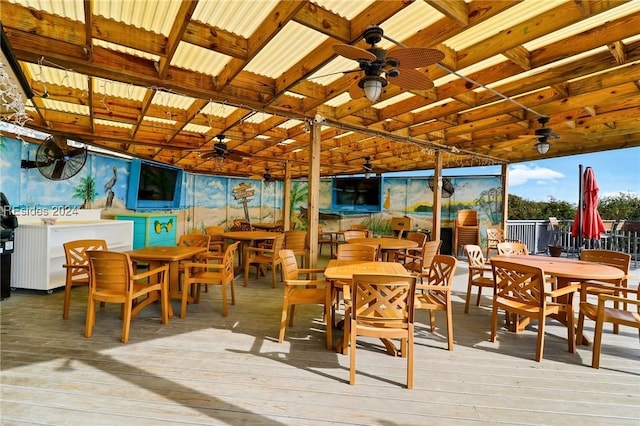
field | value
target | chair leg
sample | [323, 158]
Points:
[494, 322]
[432, 320]
[597, 343]
[409, 350]
[246, 273]
[540, 340]
[67, 301]
[479, 295]
[449, 326]
[283, 318]
[579, 336]
[223, 290]
[91, 312]
[352, 355]
[466, 302]
[126, 322]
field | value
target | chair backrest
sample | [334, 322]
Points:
[616, 259]
[467, 218]
[441, 272]
[296, 241]
[289, 265]
[353, 251]
[276, 245]
[240, 225]
[494, 236]
[214, 231]
[519, 283]
[111, 273]
[76, 255]
[353, 234]
[475, 258]
[228, 261]
[194, 240]
[429, 252]
[512, 248]
[418, 237]
[358, 227]
[383, 301]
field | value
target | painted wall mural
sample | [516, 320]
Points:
[213, 200]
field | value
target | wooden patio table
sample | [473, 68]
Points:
[386, 244]
[565, 271]
[247, 238]
[342, 271]
[171, 255]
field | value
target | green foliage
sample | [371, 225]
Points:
[621, 206]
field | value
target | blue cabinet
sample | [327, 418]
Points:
[152, 229]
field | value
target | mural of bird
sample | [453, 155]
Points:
[110, 184]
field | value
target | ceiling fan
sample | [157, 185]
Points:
[380, 67]
[542, 135]
[221, 151]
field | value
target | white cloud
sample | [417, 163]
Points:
[520, 174]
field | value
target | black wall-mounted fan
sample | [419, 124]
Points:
[57, 160]
[398, 65]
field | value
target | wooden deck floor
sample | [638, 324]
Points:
[207, 369]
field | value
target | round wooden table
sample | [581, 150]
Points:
[565, 271]
[386, 244]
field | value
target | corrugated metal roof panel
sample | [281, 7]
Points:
[47, 74]
[196, 58]
[156, 16]
[50, 104]
[218, 110]
[506, 19]
[172, 100]
[408, 22]
[73, 9]
[239, 17]
[118, 90]
[196, 128]
[289, 46]
[124, 49]
[346, 9]
[109, 123]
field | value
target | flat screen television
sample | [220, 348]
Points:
[356, 194]
[153, 186]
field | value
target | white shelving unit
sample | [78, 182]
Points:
[39, 254]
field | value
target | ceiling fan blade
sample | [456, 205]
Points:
[58, 168]
[209, 155]
[236, 155]
[411, 79]
[416, 57]
[353, 52]
[355, 91]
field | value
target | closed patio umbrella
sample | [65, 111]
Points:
[587, 223]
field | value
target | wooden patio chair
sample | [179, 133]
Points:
[616, 259]
[77, 267]
[411, 254]
[382, 306]
[205, 272]
[298, 242]
[217, 243]
[299, 291]
[263, 257]
[520, 290]
[466, 229]
[496, 236]
[436, 294]
[112, 280]
[479, 273]
[418, 265]
[601, 313]
[327, 238]
[506, 248]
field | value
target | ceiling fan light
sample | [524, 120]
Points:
[543, 147]
[372, 86]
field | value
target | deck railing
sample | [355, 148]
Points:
[539, 234]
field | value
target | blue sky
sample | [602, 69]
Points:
[616, 171]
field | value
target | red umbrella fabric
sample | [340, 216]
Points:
[592, 225]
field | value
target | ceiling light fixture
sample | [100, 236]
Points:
[543, 145]
[372, 86]
[367, 167]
